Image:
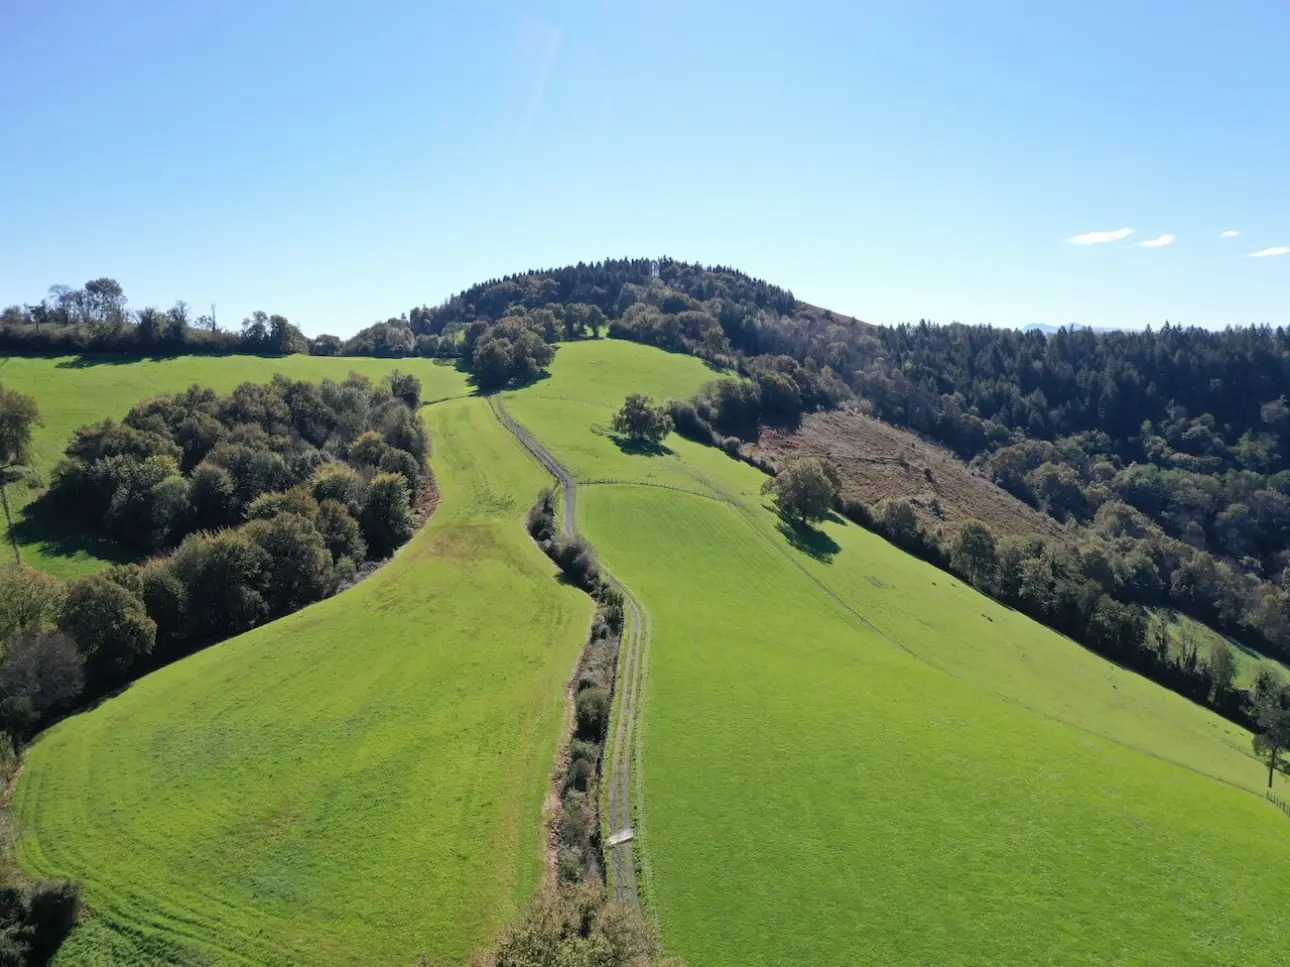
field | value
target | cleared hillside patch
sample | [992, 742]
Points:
[72, 391]
[360, 782]
[877, 460]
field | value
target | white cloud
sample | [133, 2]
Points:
[1159, 242]
[1230, 233]
[1098, 238]
[1275, 250]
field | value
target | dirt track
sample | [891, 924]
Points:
[628, 685]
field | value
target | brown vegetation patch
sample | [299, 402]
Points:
[878, 461]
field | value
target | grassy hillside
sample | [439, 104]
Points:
[354, 784]
[1248, 661]
[848, 757]
[73, 391]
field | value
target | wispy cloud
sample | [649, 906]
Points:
[1158, 242]
[1100, 238]
[1230, 233]
[1274, 250]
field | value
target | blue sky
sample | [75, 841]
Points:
[341, 162]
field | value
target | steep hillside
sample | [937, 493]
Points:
[835, 726]
[359, 782]
[73, 391]
[877, 461]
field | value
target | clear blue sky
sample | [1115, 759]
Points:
[341, 162]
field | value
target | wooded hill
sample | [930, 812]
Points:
[1173, 444]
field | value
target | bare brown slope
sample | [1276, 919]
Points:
[878, 461]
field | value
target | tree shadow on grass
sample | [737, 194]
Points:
[59, 537]
[808, 540]
[642, 448]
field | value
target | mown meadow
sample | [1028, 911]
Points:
[360, 782]
[73, 391]
[848, 756]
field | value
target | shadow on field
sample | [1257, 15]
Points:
[808, 540]
[59, 538]
[641, 448]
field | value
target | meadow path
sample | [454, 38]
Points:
[629, 683]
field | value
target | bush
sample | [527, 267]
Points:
[386, 518]
[110, 626]
[40, 675]
[571, 925]
[28, 599]
[541, 517]
[340, 532]
[299, 569]
[406, 387]
[577, 559]
[220, 574]
[592, 709]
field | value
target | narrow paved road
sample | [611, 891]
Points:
[629, 684]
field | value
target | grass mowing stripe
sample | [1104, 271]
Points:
[361, 781]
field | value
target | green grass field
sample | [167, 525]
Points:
[943, 782]
[73, 391]
[1248, 661]
[354, 784]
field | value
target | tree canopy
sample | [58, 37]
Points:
[641, 421]
[805, 489]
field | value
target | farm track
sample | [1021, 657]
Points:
[629, 682]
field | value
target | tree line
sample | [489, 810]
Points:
[246, 507]
[1172, 446]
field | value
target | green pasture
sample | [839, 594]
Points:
[75, 390]
[1248, 661]
[815, 794]
[358, 783]
[849, 757]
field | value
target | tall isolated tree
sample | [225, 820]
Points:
[18, 414]
[805, 489]
[1273, 736]
[640, 420]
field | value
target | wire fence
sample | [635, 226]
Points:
[1280, 803]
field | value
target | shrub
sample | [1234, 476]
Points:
[340, 532]
[220, 574]
[406, 387]
[110, 626]
[40, 674]
[297, 500]
[571, 925]
[386, 518]
[299, 569]
[336, 481]
[211, 496]
[577, 559]
[592, 712]
[28, 599]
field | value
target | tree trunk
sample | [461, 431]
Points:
[1272, 764]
